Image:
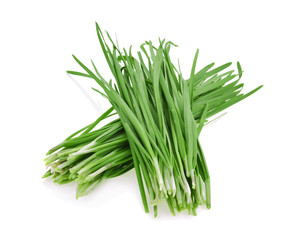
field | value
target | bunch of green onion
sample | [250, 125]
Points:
[160, 118]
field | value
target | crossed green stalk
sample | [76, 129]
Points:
[161, 116]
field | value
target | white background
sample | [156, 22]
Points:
[254, 152]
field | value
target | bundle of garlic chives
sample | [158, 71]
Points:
[167, 157]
